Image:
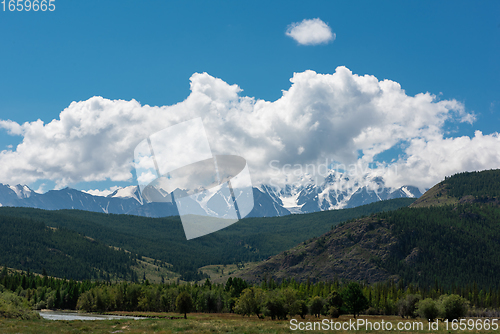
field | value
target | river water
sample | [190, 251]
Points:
[57, 315]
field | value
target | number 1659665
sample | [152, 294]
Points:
[28, 5]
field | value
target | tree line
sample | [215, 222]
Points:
[277, 300]
[482, 185]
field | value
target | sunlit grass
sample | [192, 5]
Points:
[196, 323]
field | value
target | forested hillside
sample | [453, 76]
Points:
[463, 187]
[485, 184]
[30, 244]
[453, 244]
[249, 239]
[451, 240]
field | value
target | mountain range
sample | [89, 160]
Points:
[337, 191]
[449, 235]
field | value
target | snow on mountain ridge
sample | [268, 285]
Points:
[127, 192]
[22, 191]
[407, 192]
[338, 190]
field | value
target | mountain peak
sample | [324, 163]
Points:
[22, 191]
[338, 190]
[127, 192]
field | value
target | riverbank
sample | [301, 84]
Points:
[206, 323]
[73, 315]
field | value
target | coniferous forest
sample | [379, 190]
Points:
[39, 239]
[269, 298]
[455, 245]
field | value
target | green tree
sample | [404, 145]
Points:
[250, 302]
[184, 303]
[4, 272]
[406, 305]
[453, 307]
[427, 309]
[354, 299]
[334, 299]
[85, 302]
[275, 307]
[13, 306]
[316, 306]
[289, 297]
[300, 308]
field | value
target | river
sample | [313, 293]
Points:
[58, 315]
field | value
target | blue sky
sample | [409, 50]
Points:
[149, 50]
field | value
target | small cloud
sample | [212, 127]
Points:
[311, 32]
[13, 128]
[468, 118]
[41, 189]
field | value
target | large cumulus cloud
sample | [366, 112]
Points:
[341, 116]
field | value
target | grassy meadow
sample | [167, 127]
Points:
[198, 323]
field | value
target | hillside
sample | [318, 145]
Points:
[449, 239]
[29, 244]
[163, 239]
[464, 187]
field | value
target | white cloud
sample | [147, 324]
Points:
[334, 116]
[41, 188]
[429, 161]
[12, 127]
[310, 32]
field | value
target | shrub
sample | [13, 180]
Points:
[372, 311]
[406, 306]
[12, 306]
[40, 305]
[316, 306]
[334, 299]
[427, 309]
[333, 312]
[453, 307]
[250, 302]
[275, 308]
[300, 308]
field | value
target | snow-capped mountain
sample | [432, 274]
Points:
[337, 191]
[21, 191]
[122, 201]
[127, 192]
